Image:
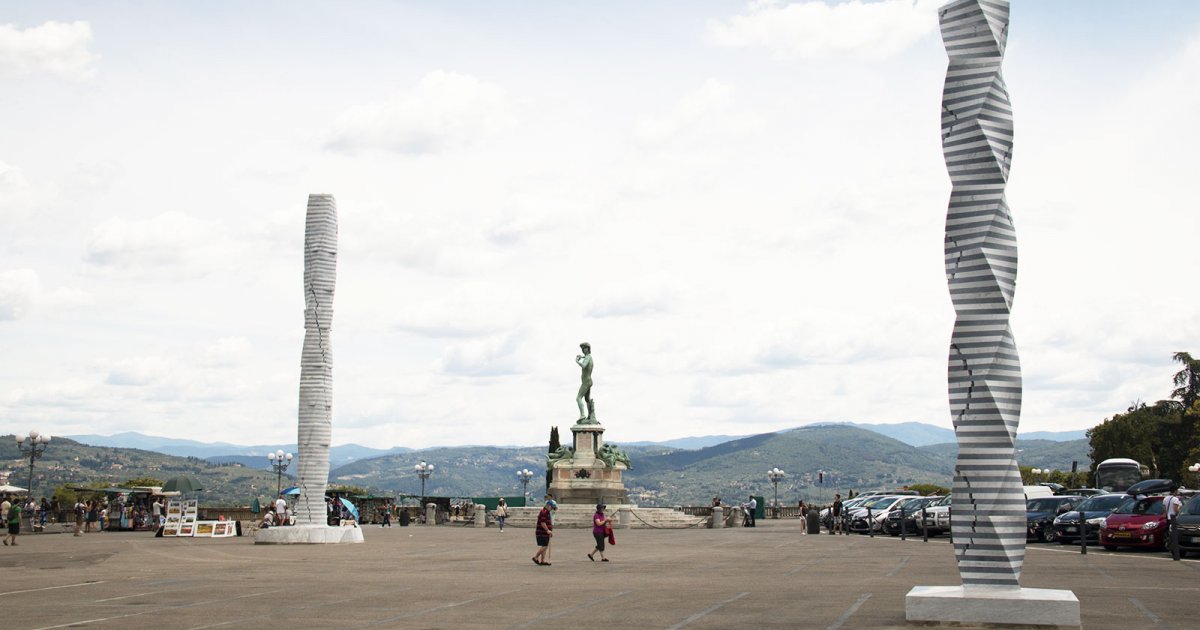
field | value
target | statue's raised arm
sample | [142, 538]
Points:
[587, 407]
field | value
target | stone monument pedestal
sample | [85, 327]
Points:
[584, 478]
[308, 535]
[986, 605]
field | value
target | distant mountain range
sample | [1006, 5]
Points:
[911, 433]
[849, 456]
[224, 452]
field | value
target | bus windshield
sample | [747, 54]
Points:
[1117, 476]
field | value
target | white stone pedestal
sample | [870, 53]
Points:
[308, 535]
[983, 605]
[480, 515]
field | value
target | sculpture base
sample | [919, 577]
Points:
[992, 606]
[308, 535]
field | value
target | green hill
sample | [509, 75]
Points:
[67, 462]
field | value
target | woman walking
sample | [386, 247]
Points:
[599, 531]
[501, 513]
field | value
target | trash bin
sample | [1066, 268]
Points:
[404, 518]
[814, 522]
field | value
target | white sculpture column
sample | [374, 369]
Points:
[316, 384]
[984, 371]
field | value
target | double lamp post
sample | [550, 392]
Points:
[32, 445]
[279, 463]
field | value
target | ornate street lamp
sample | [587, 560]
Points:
[279, 463]
[1195, 469]
[524, 475]
[32, 445]
[423, 471]
[775, 476]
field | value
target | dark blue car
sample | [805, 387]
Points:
[1040, 514]
[1094, 510]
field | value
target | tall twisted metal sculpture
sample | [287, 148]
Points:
[316, 359]
[988, 510]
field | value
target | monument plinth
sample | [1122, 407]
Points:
[591, 471]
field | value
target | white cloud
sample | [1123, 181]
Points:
[819, 30]
[21, 292]
[173, 243]
[18, 291]
[54, 48]
[445, 110]
[706, 113]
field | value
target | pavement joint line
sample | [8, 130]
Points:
[51, 588]
[1151, 588]
[567, 611]
[706, 611]
[903, 561]
[417, 613]
[156, 610]
[849, 612]
[1153, 617]
[113, 599]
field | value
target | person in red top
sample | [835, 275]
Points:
[545, 529]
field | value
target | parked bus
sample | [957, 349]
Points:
[1118, 473]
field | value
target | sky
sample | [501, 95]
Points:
[739, 205]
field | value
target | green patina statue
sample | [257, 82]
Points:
[587, 406]
[611, 455]
[561, 452]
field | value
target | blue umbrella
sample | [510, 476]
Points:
[350, 506]
[294, 491]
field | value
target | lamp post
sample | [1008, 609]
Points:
[524, 475]
[1037, 472]
[279, 463]
[1195, 469]
[775, 476]
[33, 445]
[423, 471]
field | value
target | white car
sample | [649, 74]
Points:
[878, 510]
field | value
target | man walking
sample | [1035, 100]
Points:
[543, 533]
[836, 514]
[749, 508]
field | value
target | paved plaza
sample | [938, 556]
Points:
[462, 577]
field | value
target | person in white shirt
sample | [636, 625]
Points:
[281, 511]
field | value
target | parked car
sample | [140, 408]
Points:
[1040, 514]
[911, 509]
[1094, 509]
[1138, 522]
[1188, 523]
[869, 515]
[1087, 492]
[937, 517]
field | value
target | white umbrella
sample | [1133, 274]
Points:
[7, 488]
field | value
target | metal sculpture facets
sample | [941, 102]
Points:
[988, 510]
[316, 359]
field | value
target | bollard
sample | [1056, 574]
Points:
[480, 515]
[1082, 534]
[870, 527]
[718, 517]
[902, 525]
[431, 514]
[950, 519]
[924, 525]
[1174, 534]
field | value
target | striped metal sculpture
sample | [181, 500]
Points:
[988, 510]
[316, 359]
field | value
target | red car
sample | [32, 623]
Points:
[1136, 523]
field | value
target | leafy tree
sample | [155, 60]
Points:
[1157, 436]
[928, 489]
[143, 482]
[554, 446]
[1187, 380]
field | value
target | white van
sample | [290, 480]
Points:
[1037, 492]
